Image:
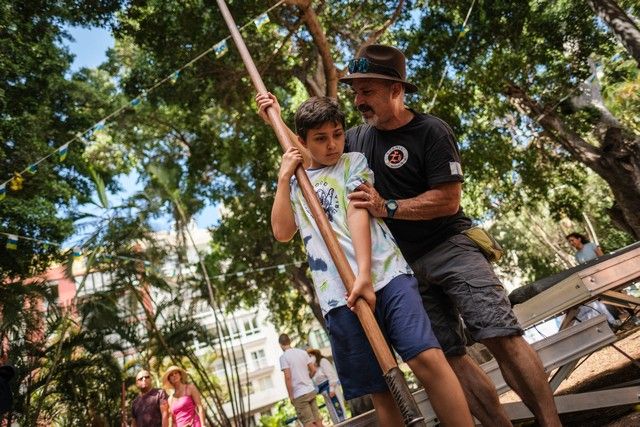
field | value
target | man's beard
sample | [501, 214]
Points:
[371, 121]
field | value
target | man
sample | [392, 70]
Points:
[150, 408]
[418, 185]
[298, 368]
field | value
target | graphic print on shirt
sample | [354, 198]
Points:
[315, 264]
[396, 156]
[328, 199]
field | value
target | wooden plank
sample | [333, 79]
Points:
[581, 402]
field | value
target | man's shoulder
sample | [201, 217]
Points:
[433, 123]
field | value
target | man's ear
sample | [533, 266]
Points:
[397, 89]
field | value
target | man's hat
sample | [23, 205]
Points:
[377, 61]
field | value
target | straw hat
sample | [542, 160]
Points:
[172, 369]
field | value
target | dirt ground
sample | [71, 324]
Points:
[604, 368]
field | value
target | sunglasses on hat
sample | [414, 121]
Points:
[363, 65]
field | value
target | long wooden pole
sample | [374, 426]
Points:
[393, 376]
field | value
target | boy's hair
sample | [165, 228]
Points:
[584, 239]
[316, 111]
[284, 339]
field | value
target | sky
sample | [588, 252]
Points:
[90, 46]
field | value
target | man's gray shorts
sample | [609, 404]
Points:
[456, 280]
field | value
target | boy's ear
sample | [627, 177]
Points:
[302, 141]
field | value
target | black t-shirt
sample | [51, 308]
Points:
[407, 162]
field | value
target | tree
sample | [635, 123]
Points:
[40, 109]
[620, 23]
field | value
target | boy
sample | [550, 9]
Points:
[383, 278]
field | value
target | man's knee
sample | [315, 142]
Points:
[510, 347]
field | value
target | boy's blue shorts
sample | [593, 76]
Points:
[404, 324]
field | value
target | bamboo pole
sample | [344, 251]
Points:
[393, 376]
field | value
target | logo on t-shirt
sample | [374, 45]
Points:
[396, 156]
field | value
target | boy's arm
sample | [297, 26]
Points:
[283, 223]
[268, 100]
[358, 222]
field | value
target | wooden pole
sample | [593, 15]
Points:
[393, 376]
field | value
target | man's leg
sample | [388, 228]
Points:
[442, 387]
[522, 369]
[386, 409]
[480, 392]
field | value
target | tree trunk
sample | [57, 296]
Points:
[305, 286]
[617, 161]
[620, 23]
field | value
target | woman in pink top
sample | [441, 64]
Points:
[185, 404]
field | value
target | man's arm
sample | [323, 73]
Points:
[287, 381]
[312, 369]
[359, 226]
[164, 411]
[442, 200]
[599, 251]
[283, 223]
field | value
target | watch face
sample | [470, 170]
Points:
[392, 204]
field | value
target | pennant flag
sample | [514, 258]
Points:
[135, 101]
[12, 242]
[221, 48]
[99, 126]
[32, 169]
[281, 269]
[175, 76]
[77, 253]
[63, 151]
[261, 20]
[3, 190]
[616, 57]
[240, 274]
[16, 182]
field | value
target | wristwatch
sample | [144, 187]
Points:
[392, 207]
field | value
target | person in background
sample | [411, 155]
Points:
[585, 250]
[326, 380]
[150, 408]
[185, 405]
[298, 368]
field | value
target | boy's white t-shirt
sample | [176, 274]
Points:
[297, 361]
[332, 185]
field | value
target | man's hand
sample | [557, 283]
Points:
[265, 101]
[362, 288]
[366, 197]
[290, 161]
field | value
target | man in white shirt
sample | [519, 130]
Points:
[298, 368]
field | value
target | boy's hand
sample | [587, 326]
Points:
[290, 161]
[362, 288]
[265, 101]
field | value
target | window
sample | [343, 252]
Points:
[258, 359]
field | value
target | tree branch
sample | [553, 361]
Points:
[377, 33]
[320, 40]
[547, 118]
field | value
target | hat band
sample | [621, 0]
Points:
[364, 66]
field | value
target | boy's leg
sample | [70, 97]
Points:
[407, 325]
[442, 387]
[386, 409]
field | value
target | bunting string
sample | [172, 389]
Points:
[220, 49]
[12, 244]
